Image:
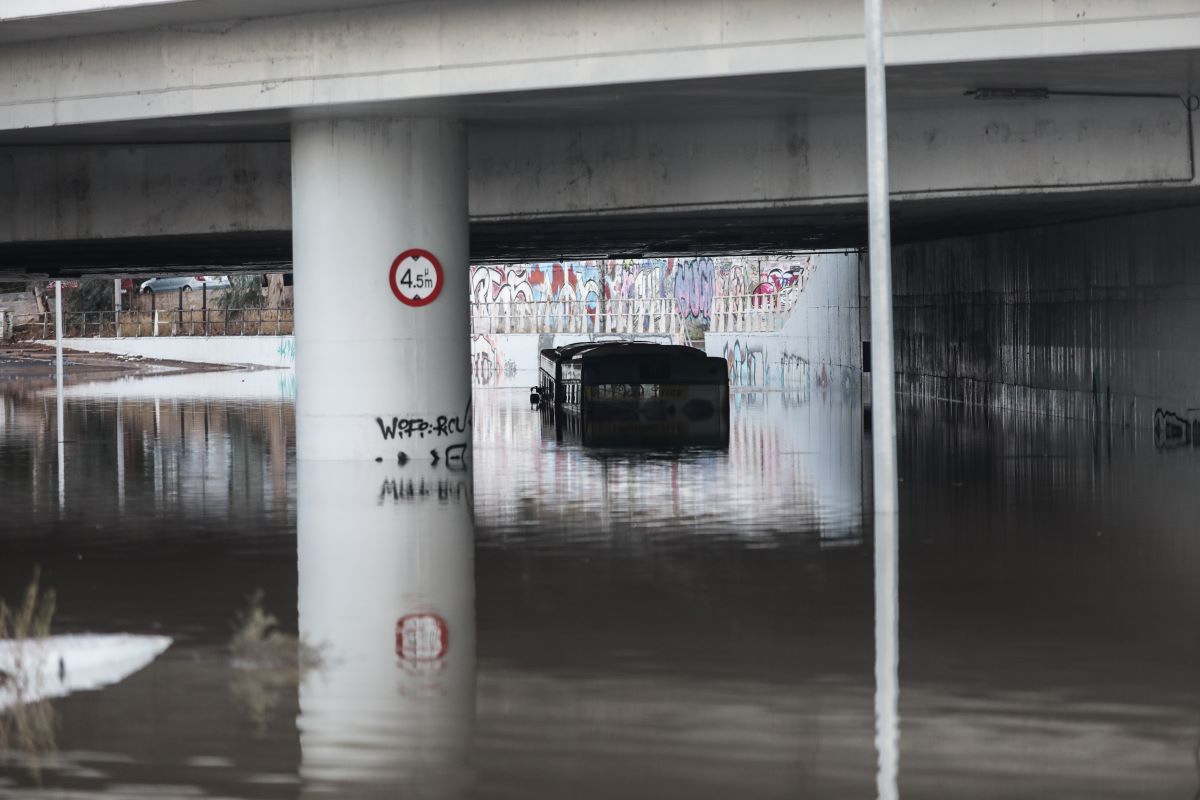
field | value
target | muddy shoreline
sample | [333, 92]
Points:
[32, 366]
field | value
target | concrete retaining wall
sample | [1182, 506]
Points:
[1097, 320]
[18, 302]
[259, 351]
[819, 345]
[496, 359]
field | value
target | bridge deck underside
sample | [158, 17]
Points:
[604, 236]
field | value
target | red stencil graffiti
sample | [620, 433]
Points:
[421, 637]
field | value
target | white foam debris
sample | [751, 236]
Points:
[36, 669]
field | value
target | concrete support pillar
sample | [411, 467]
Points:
[378, 376]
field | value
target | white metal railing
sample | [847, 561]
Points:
[615, 315]
[739, 313]
[162, 322]
[751, 312]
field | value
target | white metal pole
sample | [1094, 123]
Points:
[887, 657]
[117, 307]
[883, 415]
[883, 400]
[58, 369]
[120, 458]
[58, 354]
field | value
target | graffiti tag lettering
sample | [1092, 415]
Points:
[415, 426]
[448, 490]
[408, 427]
[694, 288]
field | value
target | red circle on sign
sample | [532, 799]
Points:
[415, 254]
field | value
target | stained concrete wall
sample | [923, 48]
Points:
[819, 345]
[50, 193]
[684, 164]
[1097, 320]
[18, 302]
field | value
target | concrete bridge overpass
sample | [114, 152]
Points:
[138, 134]
[152, 136]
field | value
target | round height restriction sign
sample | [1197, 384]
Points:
[416, 277]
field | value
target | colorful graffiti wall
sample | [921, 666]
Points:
[819, 346]
[691, 282]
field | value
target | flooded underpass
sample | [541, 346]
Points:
[600, 623]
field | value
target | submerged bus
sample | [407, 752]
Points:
[635, 394]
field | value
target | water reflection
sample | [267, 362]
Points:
[887, 655]
[149, 458]
[792, 468]
[704, 625]
[387, 588]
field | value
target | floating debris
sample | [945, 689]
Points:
[54, 666]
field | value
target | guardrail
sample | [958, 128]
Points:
[619, 315]
[163, 322]
[751, 312]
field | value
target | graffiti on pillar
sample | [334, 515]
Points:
[1175, 430]
[444, 491]
[402, 427]
[456, 457]
[453, 457]
[420, 427]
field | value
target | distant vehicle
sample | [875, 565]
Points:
[174, 283]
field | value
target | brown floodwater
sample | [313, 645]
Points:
[575, 623]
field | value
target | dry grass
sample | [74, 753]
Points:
[28, 728]
[267, 662]
[258, 642]
[31, 619]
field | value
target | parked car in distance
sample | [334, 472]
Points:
[173, 283]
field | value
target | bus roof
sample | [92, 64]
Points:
[589, 350]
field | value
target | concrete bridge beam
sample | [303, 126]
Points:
[628, 179]
[450, 57]
[380, 250]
